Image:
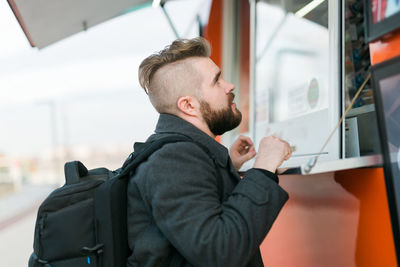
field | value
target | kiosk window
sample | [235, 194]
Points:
[295, 97]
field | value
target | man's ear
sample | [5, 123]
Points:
[188, 105]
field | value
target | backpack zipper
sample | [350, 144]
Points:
[41, 228]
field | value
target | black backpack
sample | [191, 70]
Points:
[84, 222]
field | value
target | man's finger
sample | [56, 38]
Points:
[246, 139]
[250, 154]
[288, 154]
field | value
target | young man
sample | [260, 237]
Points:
[177, 214]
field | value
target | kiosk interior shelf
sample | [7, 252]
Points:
[360, 127]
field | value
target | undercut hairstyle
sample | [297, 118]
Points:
[169, 74]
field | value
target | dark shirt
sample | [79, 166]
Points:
[175, 215]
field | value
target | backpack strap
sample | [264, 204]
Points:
[144, 150]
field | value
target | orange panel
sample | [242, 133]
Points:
[213, 31]
[244, 66]
[375, 246]
[385, 48]
[317, 227]
[333, 220]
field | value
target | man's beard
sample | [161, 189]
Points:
[223, 120]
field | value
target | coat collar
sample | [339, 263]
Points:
[171, 124]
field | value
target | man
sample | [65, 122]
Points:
[177, 213]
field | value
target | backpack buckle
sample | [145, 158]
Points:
[98, 249]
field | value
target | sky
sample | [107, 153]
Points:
[85, 87]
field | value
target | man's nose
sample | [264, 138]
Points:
[229, 87]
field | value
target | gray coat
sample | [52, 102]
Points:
[175, 216]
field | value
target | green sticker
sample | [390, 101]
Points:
[313, 93]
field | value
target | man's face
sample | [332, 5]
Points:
[216, 99]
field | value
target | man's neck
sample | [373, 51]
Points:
[198, 123]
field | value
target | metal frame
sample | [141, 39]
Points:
[374, 31]
[253, 60]
[381, 71]
[343, 80]
[230, 55]
[171, 24]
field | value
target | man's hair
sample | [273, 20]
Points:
[164, 90]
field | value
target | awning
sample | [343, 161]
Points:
[47, 21]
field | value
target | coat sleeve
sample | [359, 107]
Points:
[181, 189]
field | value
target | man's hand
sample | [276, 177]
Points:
[271, 153]
[241, 151]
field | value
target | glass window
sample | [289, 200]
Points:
[292, 73]
[292, 59]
